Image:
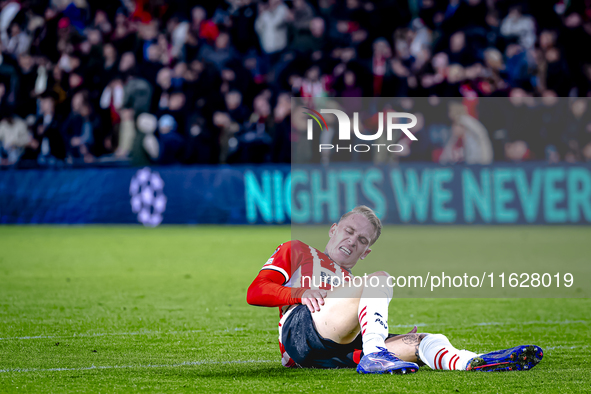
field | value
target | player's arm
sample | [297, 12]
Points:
[267, 290]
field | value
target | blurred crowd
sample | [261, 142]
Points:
[185, 82]
[475, 130]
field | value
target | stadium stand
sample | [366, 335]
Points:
[204, 82]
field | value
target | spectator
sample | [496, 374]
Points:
[301, 14]
[137, 92]
[177, 108]
[221, 53]
[78, 13]
[191, 48]
[122, 37]
[314, 84]
[102, 23]
[111, 101]
[521, 26]
[14, 137]
[219, 76]
[237, 111]
[19, 40]
[152, 64]
[253, 143]
[464, 15]
[546, 118]
[382, 52]
[9, 11]
[202, 145]
[469, 141]
[242, 31]
[178, 30]
[271, 26]
[226, 130]
[83, 130]
[281, 149]
[458, 53]
[517, 66]
[110, 64]
[556, 72]
[493, 59]
[162, 90]
[127, 134]
[10, 78]
[350, 88]
[27, 79]
[203, 28]
[46, 143]
[311, 40]
[148, 36]
[171, 143]
[145, 148]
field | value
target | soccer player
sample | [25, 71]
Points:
[347, 326]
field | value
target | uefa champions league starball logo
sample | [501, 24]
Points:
[147, 197]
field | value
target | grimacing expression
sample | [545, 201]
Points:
[350, 240]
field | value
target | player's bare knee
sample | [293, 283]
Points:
[345, 291]
[378, 279]
[380, 273]
[377, 286]
[356, 292]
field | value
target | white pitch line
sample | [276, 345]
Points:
[564, 322]
[189, 363]
[105, 334]
[566, 347]
[492, 323]
[186, 363]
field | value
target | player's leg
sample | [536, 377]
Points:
[326, 338]
[337, 319]
[346, 311]
[406, 346]
[437, 352]
[347, 308]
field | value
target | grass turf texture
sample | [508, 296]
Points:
[164, 310]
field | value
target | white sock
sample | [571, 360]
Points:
[373, 317]
[437, 352]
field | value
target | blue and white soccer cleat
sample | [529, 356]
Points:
[385, 362]
[519, 358]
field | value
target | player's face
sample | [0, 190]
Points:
[349, 240]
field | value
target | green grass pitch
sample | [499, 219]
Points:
[129, 309]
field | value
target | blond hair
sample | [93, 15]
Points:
[370, 215]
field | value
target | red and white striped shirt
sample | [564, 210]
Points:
[294, 268]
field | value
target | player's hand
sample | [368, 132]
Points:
[313, 299]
